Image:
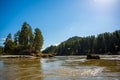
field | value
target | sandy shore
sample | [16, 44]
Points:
[16, 56]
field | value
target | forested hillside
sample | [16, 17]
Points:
[105, 43]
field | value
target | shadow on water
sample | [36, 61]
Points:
[21, 69]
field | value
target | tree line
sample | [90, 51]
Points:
[105, 43]
[24, 41]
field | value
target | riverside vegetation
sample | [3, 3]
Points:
[25, 42]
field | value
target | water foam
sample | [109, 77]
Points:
[78, 72]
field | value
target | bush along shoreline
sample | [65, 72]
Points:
[38, 55]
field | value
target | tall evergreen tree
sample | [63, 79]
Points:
[31, 38]
[9, 45]
[23, 37]
[9, 37]
[16, 37]
[25, 41]
[38, 41]
[1, 50]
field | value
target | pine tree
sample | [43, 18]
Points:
[16, 38]
[9, 45]
[23, 37]
[31, 38]
[38, 41]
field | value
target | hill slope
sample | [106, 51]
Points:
[105, 43]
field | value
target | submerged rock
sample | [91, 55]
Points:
[93, 57]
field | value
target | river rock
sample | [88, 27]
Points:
[93, 57]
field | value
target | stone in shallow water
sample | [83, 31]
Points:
[93, 57]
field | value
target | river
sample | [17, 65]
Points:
[61, 68]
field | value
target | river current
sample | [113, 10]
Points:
[61, 68]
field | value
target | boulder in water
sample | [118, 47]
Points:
[93, 57]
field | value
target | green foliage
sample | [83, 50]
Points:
[9, 44]
[24, 41]
[16, 37]
[31, 38]
[23, 38]
[51, 49]
[38, 41]
[1, 50]
[106, 43]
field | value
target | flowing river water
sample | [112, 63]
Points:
[61, 68]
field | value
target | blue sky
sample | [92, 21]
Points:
[60, 19]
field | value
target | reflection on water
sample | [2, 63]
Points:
[21, 69]
[61, 68]
[1, 65]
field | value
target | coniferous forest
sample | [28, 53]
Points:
[23, 42]
[105, 43]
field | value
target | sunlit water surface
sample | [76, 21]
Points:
[61, 68]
